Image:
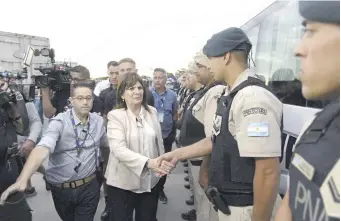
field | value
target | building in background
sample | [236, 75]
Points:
[11, 43]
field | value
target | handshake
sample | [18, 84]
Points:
[163, 165]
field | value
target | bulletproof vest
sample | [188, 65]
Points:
[193, 130]
[314, 192]
[231, 174]
[183, 95]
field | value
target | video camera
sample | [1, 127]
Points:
[55, 76]
[9, 78]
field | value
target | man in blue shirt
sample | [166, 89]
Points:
[166, 105]
[72, 142]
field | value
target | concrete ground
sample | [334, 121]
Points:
[43, 208]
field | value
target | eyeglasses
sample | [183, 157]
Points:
[80, 99]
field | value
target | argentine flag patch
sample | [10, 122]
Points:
[258, 129]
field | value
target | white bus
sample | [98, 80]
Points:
[274, 33]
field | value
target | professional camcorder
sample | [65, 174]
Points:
[55, 76]
[9, 90]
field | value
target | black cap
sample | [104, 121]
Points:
[320, 11]
[231, 39]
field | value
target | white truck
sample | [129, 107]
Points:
[11, 43]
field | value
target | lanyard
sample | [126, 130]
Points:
[160, 99]
[78, 146]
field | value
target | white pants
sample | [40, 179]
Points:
[244, 213]
[203, 206]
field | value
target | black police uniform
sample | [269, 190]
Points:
[192, 130]
[16, 207]
[185, 105]
[314, 188]
[230, 175]
[108, 97]
[183, 93]
[314, 192]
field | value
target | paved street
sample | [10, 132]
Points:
[43, 207]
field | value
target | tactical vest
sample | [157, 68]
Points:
[314, 192]
[231, 174]
[193, 130]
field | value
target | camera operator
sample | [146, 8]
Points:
[13, 120]
[60, 100]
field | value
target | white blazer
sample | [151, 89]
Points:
[126, 163]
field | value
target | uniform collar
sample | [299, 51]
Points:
[241, 78]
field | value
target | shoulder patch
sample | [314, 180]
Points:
[330, 191]
[258, 129]
[255, 110]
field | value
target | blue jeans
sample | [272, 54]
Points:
[78, 204]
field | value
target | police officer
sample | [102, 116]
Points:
[13, 121]
[197, 125]
[193, 85]
[246, 143]
[314, 187]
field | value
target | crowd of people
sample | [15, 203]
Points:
[226, 123]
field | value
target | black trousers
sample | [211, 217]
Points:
[78, 204]
[167, 143]
[122, 203]
[16, 209]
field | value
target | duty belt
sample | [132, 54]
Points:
[76, 183]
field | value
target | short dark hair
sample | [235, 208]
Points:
[129, 81]
[241, 56]
[161, 70]
[112, 63]
[87, 84]
[127, 60]
[82, 70]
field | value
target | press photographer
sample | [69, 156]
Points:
[60, 99]
[13, 120]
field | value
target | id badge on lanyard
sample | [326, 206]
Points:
[160, 116]
[162, 110]
[78, 145]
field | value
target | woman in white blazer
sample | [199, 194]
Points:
[135, 140]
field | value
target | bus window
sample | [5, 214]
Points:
[286, 87]
[278, 34]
